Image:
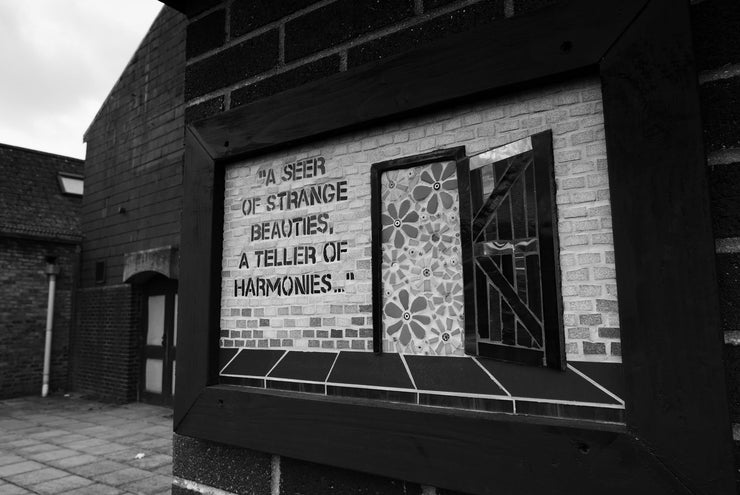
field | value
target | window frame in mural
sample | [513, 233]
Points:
[525, 283]
[377, 213]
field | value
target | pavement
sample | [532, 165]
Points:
[73, 446]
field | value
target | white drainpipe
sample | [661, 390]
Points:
[52, 270]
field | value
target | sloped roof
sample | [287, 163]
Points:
[31, 200]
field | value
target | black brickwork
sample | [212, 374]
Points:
[205, 109]
[339, 22]
[248, 15]
[525, 6]
[427, 32]
[220, 466]
[135, 145]
[207, 33]
[286, 80]
[298, 477]
[232, 65]
[721, 113]
[24, 292]
[107, 348]
[724, 187]
[716, 32]
[728, 273]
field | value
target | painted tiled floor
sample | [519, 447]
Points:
[589, 391]
[72, 446]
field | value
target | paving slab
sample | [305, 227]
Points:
[61, 485]
[74, 446]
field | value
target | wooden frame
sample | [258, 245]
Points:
[677, 437]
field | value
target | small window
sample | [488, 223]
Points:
[100, 272]
[71, 184]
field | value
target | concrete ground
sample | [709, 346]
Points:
[72, 446]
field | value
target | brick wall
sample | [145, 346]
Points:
[241, 51]
[108, 345]
[716, 32]
[275, 46]
[132, 202]
[24, 291]
[572, 111]
[133, 167]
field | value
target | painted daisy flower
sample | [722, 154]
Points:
[446, 337]
[407, 317]
[436, 181]
[398, 224]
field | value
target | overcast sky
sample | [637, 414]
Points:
[58, 61]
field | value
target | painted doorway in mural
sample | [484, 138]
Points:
[157, 379]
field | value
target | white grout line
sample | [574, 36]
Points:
[492, 377]
[275, 475]
[727, 245]
[408, 371]
[252, 377]
[198, 487]
[295, 380]
[726, 72]
[230, 360]
[331, 369]
[507, 398]
[466, 395]
[285, 353]
[732, 337]
[370, 387]
[595, 384]
[570, 402]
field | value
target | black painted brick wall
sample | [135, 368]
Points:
[724, 183]
[716, 35]
[716, 30]
[135, 146]
[270, 47]
[426, 32]
[286, 80]
[721, 113]
[292, 42]
[24, 292]
[233, 64]
[206, 33]
[245, 471]
[108, 345]
[339, 22]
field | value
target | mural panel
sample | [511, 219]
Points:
[422, 272]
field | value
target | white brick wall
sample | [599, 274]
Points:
[343, 319]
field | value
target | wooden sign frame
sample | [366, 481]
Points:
[677, 436]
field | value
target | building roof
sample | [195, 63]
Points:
[31, 200]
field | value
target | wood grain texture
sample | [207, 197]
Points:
[568, 36]
[469, 452]
[668, 303]
[200, 278]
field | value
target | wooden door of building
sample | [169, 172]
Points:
[157, 379]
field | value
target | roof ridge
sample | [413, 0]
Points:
[38, 152]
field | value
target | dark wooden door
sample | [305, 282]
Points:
[157, 383]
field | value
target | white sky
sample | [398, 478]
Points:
[58, 61]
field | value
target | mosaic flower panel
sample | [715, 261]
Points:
[421, 267]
